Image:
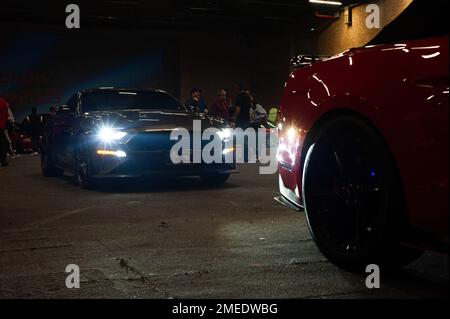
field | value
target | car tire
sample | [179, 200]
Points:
[353, 197]
[48, 168]
[215, 179]
[83, 171]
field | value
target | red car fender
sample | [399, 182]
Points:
[402, 90]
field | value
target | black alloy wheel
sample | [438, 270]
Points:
[353, 197]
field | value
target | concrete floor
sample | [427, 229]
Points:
[174, 239]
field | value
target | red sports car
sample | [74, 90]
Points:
[21, 142]
[364, 149]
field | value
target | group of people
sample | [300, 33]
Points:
[32, 126]
[245, 112]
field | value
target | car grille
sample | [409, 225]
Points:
[152, 141]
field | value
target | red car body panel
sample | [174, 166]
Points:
[20, 142]
[402, 89]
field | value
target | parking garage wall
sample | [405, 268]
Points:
[42, 65]
[339, 36]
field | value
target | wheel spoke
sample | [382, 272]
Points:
[338, 159]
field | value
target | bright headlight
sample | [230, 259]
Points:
[292, 134]
[108, 134]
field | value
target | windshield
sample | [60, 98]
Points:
[128, 100]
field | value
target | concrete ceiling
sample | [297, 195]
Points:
[220, 15]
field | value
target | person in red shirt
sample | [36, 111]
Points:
[220, 108]
[4, 144]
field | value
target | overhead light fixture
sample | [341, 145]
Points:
[332, 3]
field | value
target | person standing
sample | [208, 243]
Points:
[33, 127]
[258, 114]
[196, 101]
[221, 107]
[242, 108]
[48, 118]
[9, 126]
[3, 139]
[241, 118]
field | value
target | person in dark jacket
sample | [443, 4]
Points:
[221, 107]
[242, 107]
[33, 127]
[196, 101]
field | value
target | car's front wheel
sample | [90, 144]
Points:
[353, 197]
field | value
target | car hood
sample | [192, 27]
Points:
[144, 120]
